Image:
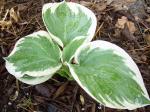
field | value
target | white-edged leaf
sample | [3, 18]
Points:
[70, 49]
[34, 80]
[35, 55]
[66, 21]
[109, 75]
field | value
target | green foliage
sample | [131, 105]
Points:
[105, 71]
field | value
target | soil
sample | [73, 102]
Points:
[58, 94]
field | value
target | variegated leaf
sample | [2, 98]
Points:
[34, 80]
[109, 75]
[66, 21]
[70, 49]
[34, 59]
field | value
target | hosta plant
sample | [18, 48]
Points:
[105, 71]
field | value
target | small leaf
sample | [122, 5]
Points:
[70, 49]
[64, 72]
[109, 75]
[34, 59]
[66, 21]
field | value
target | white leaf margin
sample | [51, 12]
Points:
[104, 45]
[74, 8]
[75, 39]
[36, 80]
[12, 69]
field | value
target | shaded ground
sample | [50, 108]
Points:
[58, 94]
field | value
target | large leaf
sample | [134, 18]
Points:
[34, 56]
[66, 21]
[109, 75]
